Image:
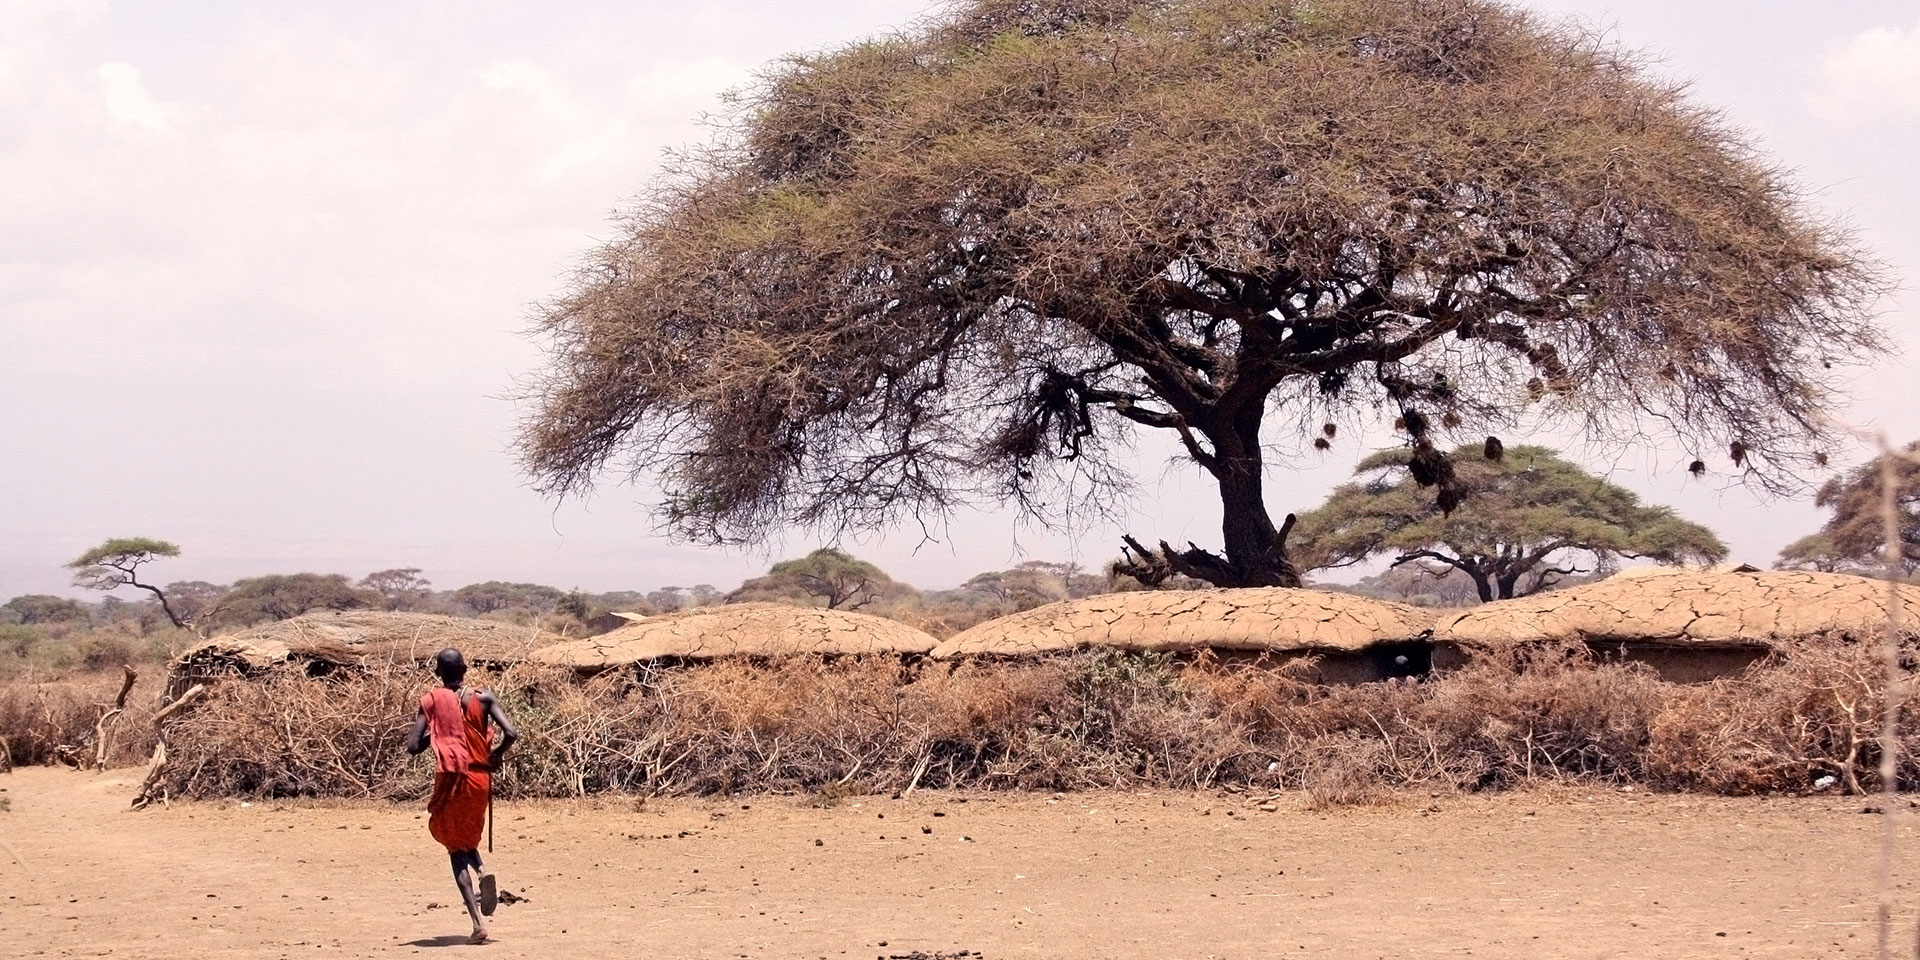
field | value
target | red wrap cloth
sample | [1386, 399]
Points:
[457, 811]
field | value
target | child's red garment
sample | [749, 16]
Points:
[457, 811]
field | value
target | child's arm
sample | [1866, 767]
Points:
[507, 734]
[417, 737]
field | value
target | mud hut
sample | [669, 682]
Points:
[1689, 626]
[319, 643]
[1349, 638]
[738, 630]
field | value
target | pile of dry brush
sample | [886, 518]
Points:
[55, 720]
[1085, 720]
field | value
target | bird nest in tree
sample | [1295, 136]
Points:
[739, 630]
[1690, 609]
[324, 641]
[1256, 619]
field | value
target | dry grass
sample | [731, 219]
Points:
[1081, 721]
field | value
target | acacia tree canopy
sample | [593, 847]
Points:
[283, 596]
[403, 588]
[1527, 519]
[840, 579]
[961, 264]
[116, 563]
[1854, 538]
[497, 595]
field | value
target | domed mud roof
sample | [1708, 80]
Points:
[739, 629]
[357, 638]
[1706, 608]
[1261, 618]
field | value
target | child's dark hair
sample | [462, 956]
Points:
[449, 665]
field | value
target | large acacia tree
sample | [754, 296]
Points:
[964, 262]
[1527, 519]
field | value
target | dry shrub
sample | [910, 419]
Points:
[36, 718]
[1344, 770]
[1814, 709]
[292, 735]
[1084, 720]
[1493, 724]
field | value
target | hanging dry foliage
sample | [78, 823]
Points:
[965, 260]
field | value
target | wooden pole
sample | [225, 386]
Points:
[1893, 556]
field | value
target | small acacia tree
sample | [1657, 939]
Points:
[963, 263]
[402, 588]
[1854, 537]
[1528, 519]
[116, 563]
[836, 577]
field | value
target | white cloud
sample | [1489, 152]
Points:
[128, 100]
[1876, 75]
[282, 263]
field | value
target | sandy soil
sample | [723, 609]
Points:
[1160, 875]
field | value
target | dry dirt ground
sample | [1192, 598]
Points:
[1159, 875]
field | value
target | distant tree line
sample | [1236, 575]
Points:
[1529, 521]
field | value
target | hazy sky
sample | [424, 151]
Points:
[265, 268]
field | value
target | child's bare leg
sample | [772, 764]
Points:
[465, 883]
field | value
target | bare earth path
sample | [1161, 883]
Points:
[1160, 875]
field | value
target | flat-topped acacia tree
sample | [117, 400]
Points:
[116, 563]
[961, 263]
[1528, 519]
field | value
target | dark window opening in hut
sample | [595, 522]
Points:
[1412, 658]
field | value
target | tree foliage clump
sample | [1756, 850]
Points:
[1527, 519]
[283, 596]
[964, 263]
[34, 609]
[400, 588]
[835, 578]
[498, 595]
[1033, 583]
[1854, 538]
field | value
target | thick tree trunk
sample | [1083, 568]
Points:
[1508, 583]
[1482, 583]
[1256, 551]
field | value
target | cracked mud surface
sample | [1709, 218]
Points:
[1164, 875]
[1724, 609]
[1274, 618]
[740, 629]
[347, 636]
